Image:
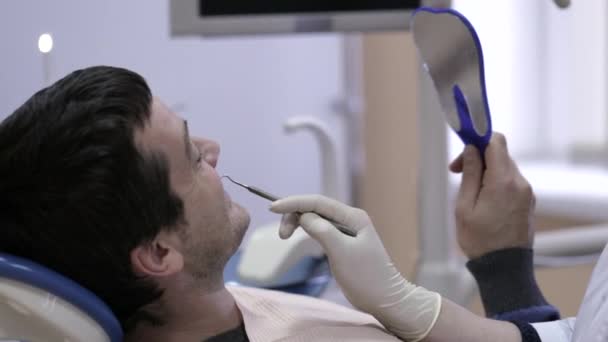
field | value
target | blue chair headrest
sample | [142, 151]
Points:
[33, 274]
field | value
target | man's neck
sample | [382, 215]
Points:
[193, 315]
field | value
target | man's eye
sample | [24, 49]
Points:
[199, 157]
[199, 154]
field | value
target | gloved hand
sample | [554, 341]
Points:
[361, 265]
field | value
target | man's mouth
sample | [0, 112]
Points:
[227, 199]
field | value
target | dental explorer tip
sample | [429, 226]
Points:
[235, 182]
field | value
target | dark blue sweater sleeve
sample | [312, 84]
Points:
[528, 333]
[508, 287]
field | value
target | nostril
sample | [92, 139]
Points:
[211, 159]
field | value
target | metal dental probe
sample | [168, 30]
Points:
[344, 229]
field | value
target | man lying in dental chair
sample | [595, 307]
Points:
[102, 183]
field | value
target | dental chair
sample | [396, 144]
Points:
[38, 304]
[296, 266]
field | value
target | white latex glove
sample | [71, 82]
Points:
[361, 265]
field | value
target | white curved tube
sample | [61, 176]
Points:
[332, 184]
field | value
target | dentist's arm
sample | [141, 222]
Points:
[371, 282]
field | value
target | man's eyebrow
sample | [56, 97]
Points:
[187, 141]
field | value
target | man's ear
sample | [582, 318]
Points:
[160, 257]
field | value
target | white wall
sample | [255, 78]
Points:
[576, 83]
[508, 32]
[545, 71]
[237, 91]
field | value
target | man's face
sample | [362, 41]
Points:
[214, 224]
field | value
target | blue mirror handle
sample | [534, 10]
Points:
[467, 132]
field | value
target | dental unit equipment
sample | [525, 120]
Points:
[257, 191]
[451, 54]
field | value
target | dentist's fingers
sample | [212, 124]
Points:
[456, 164]
[334, 210]
[498, 161]
[323, 231]
[289, 223]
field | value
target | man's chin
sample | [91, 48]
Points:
[240, 219]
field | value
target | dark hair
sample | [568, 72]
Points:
[76, 195]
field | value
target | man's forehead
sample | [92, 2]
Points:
[163, 127]
[160, 113]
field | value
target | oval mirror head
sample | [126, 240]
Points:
[450, 53]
